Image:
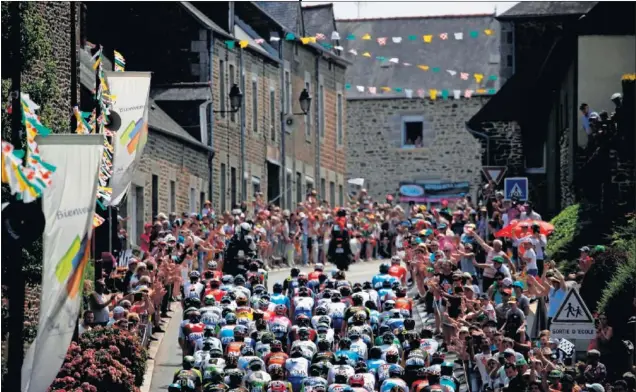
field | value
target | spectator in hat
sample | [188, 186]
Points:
[523, 302]
[595, 371]
[585, 261]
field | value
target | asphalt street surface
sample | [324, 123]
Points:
[168, 358]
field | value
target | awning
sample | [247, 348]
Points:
[309, 179]
[185, 92]
[256, 180]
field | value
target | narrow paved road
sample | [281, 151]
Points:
[168, 358]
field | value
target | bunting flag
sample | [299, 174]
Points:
[83, 127]
[423, 67]
[428, 38]
[366, 54]
[435, 69]
[432, 93]
[120, 62]
[451, 72]
[407, 64]
[320, 36]
[474, 34]
[97, 58]
[478, 77]
[443, 36]
[338, 48]
[396, 40]
[464, 76]
[481, 91]
[468, 93]
[394, 60]
[421, 93]
[351, 37]
[274, 38]
[444, 94]
[366, 37]
[360, 89]
[308, 40]
[335, 36]
[372, 90]
[230, 44]
[259, 41]
[412, 37]
[386, 89]
[382, 41]
[97, 221]
[459, 36]
[243, 44]
[488, 32]
[290, 36]
[408, 92]
[457, 94]
[492, 77]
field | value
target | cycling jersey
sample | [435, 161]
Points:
[389, 383]
[337, 313]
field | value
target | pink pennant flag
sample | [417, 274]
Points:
[443, 36]
[259, 40]
[320, 36]
[468, 93]
[464, 76]
[421, 93]
[382, 41]
[372, 89]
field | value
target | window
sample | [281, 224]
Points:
[321, 110]
[340, 195]
[173, 196]
[201, 201]
[272, 114]
[308, 117]
[222, 89]
[309, 185]
[323, 189]
[223, 187]
[288, 93]
[535, 157]
[509, 60]
[254, 105]
[232, 187]
[232, 82]
[332, 193]
[339, 118]
[193, 200]
[299, 187]
[412, 131]
[256, 185]
[155, 196]
[138, 213]
[288, 191]
[509, 37]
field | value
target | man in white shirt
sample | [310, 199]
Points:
[529, 256]
[529, 213]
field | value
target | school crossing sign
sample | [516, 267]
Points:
[573, 320]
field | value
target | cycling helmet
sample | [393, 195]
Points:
[216, 352]
[247, 351]
[227, 279]
[239, 280]
[276, 371]
[367, 285]
[321, 310]
[263, 304]
[344, 344]
[336, 297]
[188, 362]
[303, 333]
[345, 291]
[215, 283]
[392, 356]
[235, 376]
[278, 287]
[294, 272]
[212, 265]
[322, 328]
[324, 320]
[395, 285]
[361, 367]
[267, 338]
[192, 302]
[388, 338]
[241, 300]
[232, 295]
[240, 331]
[260, 324]
[340, 377]
[209, 300]
[230, 319]
[400, 292]
[259, 289]
[396, 371]
[302, 320]
[434, 370]
[384, 268]
[359, 317]
[276, 346]
[280, 310]
[302, 281]
[209, 331]
[357, 380]
[323, 345]
[388, 305]
[409, 324]
[303, 291]
[255, 365]
[207, 344]
[354, 334]
[194, 317]
[243, 321]
[395, 313]
[195, 274]
[176, 387]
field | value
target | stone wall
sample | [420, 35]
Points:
[450, 152]
[567, 191]
[506, 147]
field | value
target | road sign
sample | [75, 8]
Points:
[516, 187]
[573, 320]
[495, 173]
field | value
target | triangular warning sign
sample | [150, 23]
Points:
[573, 310]
[494, 173]
[516, 192]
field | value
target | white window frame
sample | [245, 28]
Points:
[272, 111]
[308, 122]
[539, 170]
[256, 181]
[287, 89]
[254, 104]
[322, 115]
[173, 196]
[407, 119]
[340, 119]
[231, 80]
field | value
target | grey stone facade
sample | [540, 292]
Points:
[504, 146]
[450, 152]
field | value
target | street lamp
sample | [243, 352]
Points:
[236, 99]
[305, 102]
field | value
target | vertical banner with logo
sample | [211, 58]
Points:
[128, 120]
[68, 206]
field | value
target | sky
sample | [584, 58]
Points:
[380, 9]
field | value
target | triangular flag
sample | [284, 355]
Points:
[385, 89]
[274, 38]
[312, 40]
[259, 40]
[360, 88]
[304, 40]
[457, 94]
[488, 32]
[380, 58]
[412, 37]
[468, 93]
[243, 44]
[382, 41]
[474, 34]
[406, 64]
[321, 36]
[398, 89]
[432, 93]
[408, 93]
[435, 69]
[353, 52]
[445, 94]
[347, 86]
[290, 36]
[366, 36]
[335, 35]
[478, 77]
[421, 93]
[481, 91]
[372, 89]
[394, 60]
[492, 77]
[492, 91]
[366, 54]
[326, 45]
[459, 36]
[340, 48]
[351, 37]
[444, 36]
[230, 44]
[464, 75]
[428, 38]
[396, 40]
[423, 67]
[451, 72]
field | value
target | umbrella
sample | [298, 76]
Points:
[516, 226]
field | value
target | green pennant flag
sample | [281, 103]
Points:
[435, 69]
[230, 44]
[290, 36]
[326, 45]
[445, 94]
[347, 86]
[398, 89]
[351, 37]
[412, 37]
[474, 34]
[492, 77]
[492, 91]
[380, 58]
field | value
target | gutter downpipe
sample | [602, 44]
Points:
[283, 132]
[243, 108]
[319, 126]
[211, 120]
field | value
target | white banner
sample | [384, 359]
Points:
[68, 206]
[129, 122]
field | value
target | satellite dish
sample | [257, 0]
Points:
[290, 124]
[114, 121]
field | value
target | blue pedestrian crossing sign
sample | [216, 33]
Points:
[516, 187]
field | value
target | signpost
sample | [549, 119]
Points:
[494, 173]
[573, 320]
[517, 188]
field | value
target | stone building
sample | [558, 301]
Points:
[561, 60]
[401, 139]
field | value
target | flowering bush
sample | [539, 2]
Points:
[93, 370]
[122, 345]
